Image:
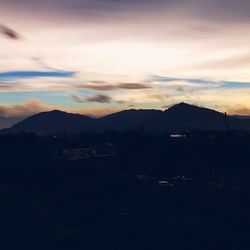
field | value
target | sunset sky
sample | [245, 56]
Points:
[101, 56]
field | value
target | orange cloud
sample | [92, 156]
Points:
[28, 108]
[239, 111]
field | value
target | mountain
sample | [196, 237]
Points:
[131, 119]
[180, 117]
[54, 122]
[7, 122]
[185, 116]
[177, 118]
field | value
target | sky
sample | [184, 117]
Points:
[101, 56]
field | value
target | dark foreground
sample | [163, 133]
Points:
[135, 199]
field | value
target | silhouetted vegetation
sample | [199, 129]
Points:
[153, 191]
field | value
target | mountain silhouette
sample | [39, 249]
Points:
[130, 119]
[7, 122]
[179, 117]
[55, 121]
[185, 116]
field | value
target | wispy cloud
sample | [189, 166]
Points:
[156, 78]
[9, 33]
[99, 98]
[230, 62]
[231, 84]
[201, 82]
[103, 86]
[14, 75]
[95, 98]
[58, 80]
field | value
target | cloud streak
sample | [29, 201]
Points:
[201, 82]
[233, 62]
[14, 75]
[103, 86]
[95, 98]
[156, 78]
[99, 98]
[223, 9]
[9, 33]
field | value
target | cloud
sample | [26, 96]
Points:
[13, 75]
[103, 86]
[100, 87]
[133, 86]
[79, 98]
[232, 84]
[232, 62]
[28, 108]
[167, 106]
[98, 82]
[180, 89]
[99, 98]
[99, 112]
[102, 38]
[95, 98]
[160, 97]
[43, 64]
[201, 82]
[219, 10]
[156, 78]
[9, 33]
[59, 81]
[240, 110]
[6, 87]
[132, 106]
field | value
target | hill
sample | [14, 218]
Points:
[54, 122]
[185, 116]
[7, 122]
[180, 117]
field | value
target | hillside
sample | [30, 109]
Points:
[180, 117]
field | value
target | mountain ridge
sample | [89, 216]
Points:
[179, 117]
[7, 122]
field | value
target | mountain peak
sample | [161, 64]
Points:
[55, 111]
[58, 113]
[55, 121]
[182, 106]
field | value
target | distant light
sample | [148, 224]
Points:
[177, 136]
